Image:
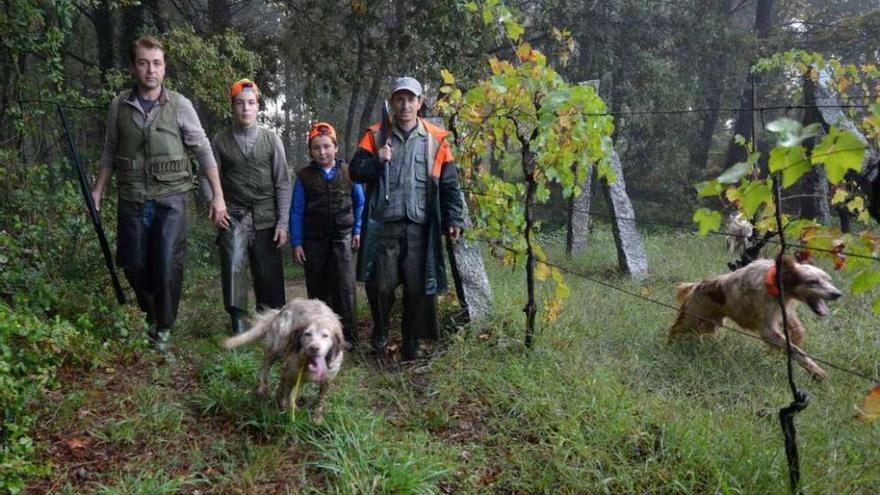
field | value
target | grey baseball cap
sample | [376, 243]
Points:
[407, 84]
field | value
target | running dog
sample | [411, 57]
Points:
[306, 336]
[749, 296]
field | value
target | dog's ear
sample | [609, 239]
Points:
[294, 344]
[791, 274]
[336, 348]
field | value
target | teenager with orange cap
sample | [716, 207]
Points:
[325, 227]
[256, 185]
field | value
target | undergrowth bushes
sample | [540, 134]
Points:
[56, 304]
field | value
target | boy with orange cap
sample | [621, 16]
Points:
[256, 185]
[325, 227]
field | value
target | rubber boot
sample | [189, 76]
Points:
[411, 350]
[239, 321]
[379, 341]
[160, 339]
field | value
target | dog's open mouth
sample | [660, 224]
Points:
[318, 367]
[819, 306]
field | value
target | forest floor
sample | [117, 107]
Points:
[601, 404]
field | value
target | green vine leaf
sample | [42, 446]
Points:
[708, 220]
[709, 188]
[840, 151]
[791, 161]
[865, 282]
[753, 195]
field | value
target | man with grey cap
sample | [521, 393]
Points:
[401, 236]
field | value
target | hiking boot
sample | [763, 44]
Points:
[160, 339]
[239, 321]
[379, 341]
[412, 350]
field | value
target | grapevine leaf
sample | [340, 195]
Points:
[870, 410]
[791, 162]
[753, 196]
[708, 220]
[865, 282]
[840, 151]
[709, 188]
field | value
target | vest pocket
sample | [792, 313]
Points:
[420, 185]
[129, 177]
[171, 176]
[421, 171]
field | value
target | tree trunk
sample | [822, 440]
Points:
[219, 16]
[370, 102]
[103, 22]
[745, 117]
[130, 29]
[156, 14]
[349, 136]
[699, 153]
[814, 200]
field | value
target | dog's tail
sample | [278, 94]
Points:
[683, 291]
[255, 332]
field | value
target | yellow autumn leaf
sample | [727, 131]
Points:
[870, 410]
[542, 271]
[447, 76]
[508, 258]
[842, 85]
[552, 309]
[856, 205]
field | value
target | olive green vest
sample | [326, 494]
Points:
[151, 161]
[247, 179]
[408, 175]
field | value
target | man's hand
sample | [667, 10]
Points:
[355, 242]
[96, 199]
[280, 237]
[104, 174]
[218, 213]
[454, 233]
[299, 255]
[385, 153]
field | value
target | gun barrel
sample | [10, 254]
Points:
[90, 205]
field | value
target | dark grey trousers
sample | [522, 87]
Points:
[243, 249]
[150, 247]
[330, 277]
[400, 259]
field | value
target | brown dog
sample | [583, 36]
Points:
[304, 333]
[749, 296]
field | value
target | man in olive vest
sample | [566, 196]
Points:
[149, 130]
[256, 186]
[402, 234]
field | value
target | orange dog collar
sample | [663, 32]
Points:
[770, 282]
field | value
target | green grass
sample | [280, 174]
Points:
[601, 404]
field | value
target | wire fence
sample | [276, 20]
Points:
[680, 226]
[831, 364]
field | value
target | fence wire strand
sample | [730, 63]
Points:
[570, 271]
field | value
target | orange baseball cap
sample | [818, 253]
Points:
[322, 129]
[242, 85]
